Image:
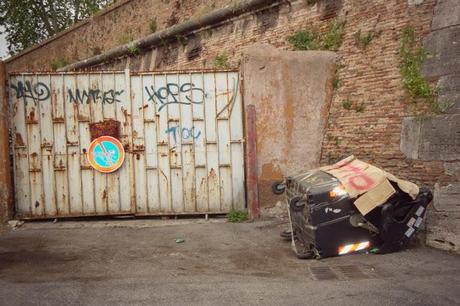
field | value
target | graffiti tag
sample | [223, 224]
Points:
[184, 133]
[357, 178]
[85, 96]
[169, 94]
[27, 90]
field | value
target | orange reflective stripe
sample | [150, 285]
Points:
[353, 247]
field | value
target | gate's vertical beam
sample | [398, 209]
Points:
[251, 162]
[6, 186]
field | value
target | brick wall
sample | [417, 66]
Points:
[368, 78]
[126, 20]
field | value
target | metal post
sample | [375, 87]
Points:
[251, 163]
[6, 185]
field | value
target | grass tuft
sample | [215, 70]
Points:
[237, 216]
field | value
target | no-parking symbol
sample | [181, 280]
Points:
[106, 154]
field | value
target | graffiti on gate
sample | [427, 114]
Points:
[183, 133]
[170, 94]
[95, 95]
[28, 90]
[39, 91]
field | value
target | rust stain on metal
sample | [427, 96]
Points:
[126, 115]
[82, 118]
[31, 117]
[19, 141]
[105, 128]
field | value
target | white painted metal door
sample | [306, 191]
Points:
[182, 132]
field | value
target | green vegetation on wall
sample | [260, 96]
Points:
[412, 55]
[58, 62]
[221, 60]
[363, 40]
[314, 40]
[153, 25]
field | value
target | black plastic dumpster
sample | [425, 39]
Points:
[325, 222]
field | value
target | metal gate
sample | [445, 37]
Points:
[182, 133]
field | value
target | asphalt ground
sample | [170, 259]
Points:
[140, 262]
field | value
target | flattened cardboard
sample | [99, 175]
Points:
[374, 197]
[368, 183]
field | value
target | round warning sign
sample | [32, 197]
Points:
[106, 154]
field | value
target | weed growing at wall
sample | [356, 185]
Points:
[346, 104]
[125, 39]
[237, 216]
[335, 83]
[134, 49]
[153, 25]
[412, 55]
[360, 108]
[304, 40]
[334, 36]
[314, 40]
[58, 62]
[221, 60]
[363, 40]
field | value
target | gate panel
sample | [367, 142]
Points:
[87, 176]
[182, 133]
[47, 141]
[123, 115]
[21, 154]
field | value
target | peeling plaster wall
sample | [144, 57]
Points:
[291, 91]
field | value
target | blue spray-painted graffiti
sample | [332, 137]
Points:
[184, 133]
[169, 94]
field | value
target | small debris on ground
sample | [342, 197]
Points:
[180, 240]
[15, 223]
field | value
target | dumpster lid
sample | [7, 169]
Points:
[369, 184]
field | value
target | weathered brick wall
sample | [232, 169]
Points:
[368, 78]
[126, 20]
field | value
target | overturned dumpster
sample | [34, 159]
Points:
[351, 206]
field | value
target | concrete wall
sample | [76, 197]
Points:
[438, 138]
[291, 91]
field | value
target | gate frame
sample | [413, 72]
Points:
[6, 179]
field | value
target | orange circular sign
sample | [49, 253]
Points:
[106, 154]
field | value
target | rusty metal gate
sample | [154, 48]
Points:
[182, 133]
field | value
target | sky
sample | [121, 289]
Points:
[3, 46]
